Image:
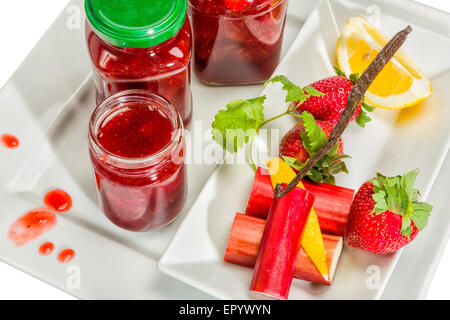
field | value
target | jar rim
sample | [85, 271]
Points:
[137, 23]
[135, 95]
[253, 14]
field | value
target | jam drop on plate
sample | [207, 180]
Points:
[66, 255]
[58, 200]
[9, 141]
[46, 248]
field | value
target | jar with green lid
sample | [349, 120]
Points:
[141, 44]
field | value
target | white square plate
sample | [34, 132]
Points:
[393, 143]
[47, 104]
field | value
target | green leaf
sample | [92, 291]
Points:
[240, 121]
[313, 92]
[294, 163]
[380, 202]
[339, 72]
[313, 136]
[398, 195]
[315, 175]
[337, 167]
[367, 107]
[354, 77]
[420, 214]
[330, 180]
[407, 182]
[294, 92]
[362, 119]
[406, 228]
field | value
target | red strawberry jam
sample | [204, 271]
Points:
[66, 255]
[237, 41]
[137, 148]
[46, 248]
[141, 44]
[58, 200]
[9, 141]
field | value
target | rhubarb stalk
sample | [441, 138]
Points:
[332, 203]
[261, 195]
[280, 244]
[245, 238]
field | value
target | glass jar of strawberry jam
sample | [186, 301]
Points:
[141, 44]
[136, 145]
[237, 41]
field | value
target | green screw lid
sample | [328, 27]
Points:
[136, 23]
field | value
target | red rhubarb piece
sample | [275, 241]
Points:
[332, 203]
[261, 196]
[245, 238]
[280, 244]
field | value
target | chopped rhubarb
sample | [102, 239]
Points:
[312, 242]
[332, 203]
[280, 244]
[261, 196]
[245, 238]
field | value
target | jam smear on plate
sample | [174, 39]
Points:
[32, 225]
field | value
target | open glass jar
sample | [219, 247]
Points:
[237, 41]
[136, 145]
[141, 44]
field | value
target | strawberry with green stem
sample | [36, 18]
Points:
[240, 122]
[330, 105]
[386, 214]
[304, 140]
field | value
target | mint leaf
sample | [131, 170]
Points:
[313, 136]
[339, 72]
[294, 92]
[362, 119]
[240, 121]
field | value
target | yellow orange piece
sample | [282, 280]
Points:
[400, 84]
[312, 242]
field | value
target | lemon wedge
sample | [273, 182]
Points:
[400, 84]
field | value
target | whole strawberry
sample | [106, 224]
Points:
[330, 105]
[385, 214]
[292, 145]
[304, 140]
[241, 5]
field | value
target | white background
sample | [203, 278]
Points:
[22, 23]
